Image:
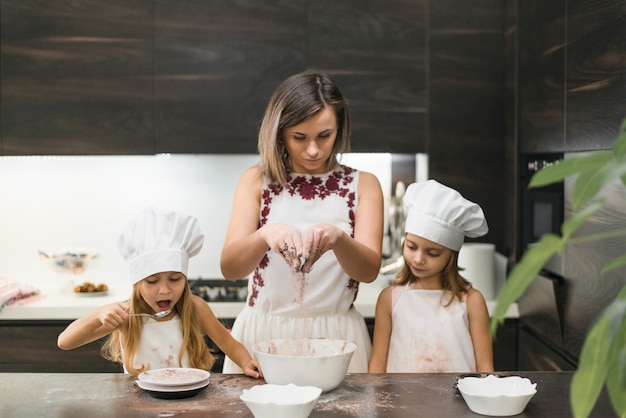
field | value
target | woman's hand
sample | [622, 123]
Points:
[286, 241]
[316, 241]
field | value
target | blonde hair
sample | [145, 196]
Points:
[296, 100]
[121, 346]
[452, 282]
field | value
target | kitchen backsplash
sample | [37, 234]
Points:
[55, 204]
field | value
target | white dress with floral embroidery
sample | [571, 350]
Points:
[282, 304]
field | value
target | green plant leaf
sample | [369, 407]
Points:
[523, 274]
[593, 367]
[578, 219]
[616, 376]
[570, 167]
[589, 182]
[615, 263]
[619, 147]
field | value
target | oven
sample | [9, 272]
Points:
[543, 208]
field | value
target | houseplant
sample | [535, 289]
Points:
[603, 356]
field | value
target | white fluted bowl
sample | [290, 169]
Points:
[281, 401]
[318, 362]
[497, 396]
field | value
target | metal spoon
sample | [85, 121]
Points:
[158, 315]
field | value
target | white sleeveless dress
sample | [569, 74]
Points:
[426, 336]
[160, 344]
[281, 304]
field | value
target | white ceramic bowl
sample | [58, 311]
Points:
[318, 362]
[281, 401]
[497, 396]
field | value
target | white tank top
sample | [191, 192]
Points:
[160, 344]
[306, 200]
[426, 336]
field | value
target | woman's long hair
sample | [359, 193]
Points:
[452, 282]
[296, 100]
[121, 346]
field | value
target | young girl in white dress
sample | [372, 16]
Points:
[157, 246]
[304, 228]
[431, 319]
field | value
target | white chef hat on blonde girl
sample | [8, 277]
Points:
[155, 241]
[441, 215]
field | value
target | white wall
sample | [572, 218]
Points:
[58, 203]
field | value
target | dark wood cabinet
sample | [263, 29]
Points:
[596, 73]
[154, 76]
[31, 346]
[541, 51]
[572, 87]
[76, 77]
[216, 66]
[377, 53]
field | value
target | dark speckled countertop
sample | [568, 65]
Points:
[360, 395]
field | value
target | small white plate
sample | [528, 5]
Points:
[174, 376]
[159, 388]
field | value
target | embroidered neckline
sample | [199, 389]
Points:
[308, 187]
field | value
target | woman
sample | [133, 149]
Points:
[308, 228]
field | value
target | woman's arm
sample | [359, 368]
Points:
[382, 333]
[222, 338]
[478, 316]
[244, 245]
[93, 326]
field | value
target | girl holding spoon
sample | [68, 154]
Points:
[163, 324]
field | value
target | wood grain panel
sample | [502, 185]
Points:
[596, 73]
[542, 42]
[38, 351]
[217, 64]
[466, 115]
[76, 76]
[588, 291]
[512, 192]
[376, 52]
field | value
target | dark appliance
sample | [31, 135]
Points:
[559, 306]
[542, 207]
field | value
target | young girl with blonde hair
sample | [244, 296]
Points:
[157, 246]
[431, 319]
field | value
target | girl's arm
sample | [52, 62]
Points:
[382, 333]
[478, 316]
[93, 326]
[360, 257]
[222, 338]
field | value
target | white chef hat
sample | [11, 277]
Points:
[440, 214]
[155, 241]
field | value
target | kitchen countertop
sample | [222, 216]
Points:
[64, 304]
[360, 395]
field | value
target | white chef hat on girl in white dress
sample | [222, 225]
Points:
[441, 215]
[155, 241]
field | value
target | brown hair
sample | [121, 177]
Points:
[296, 100]
[122, 344]
[451, 280]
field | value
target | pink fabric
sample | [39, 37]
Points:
[13, 292]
